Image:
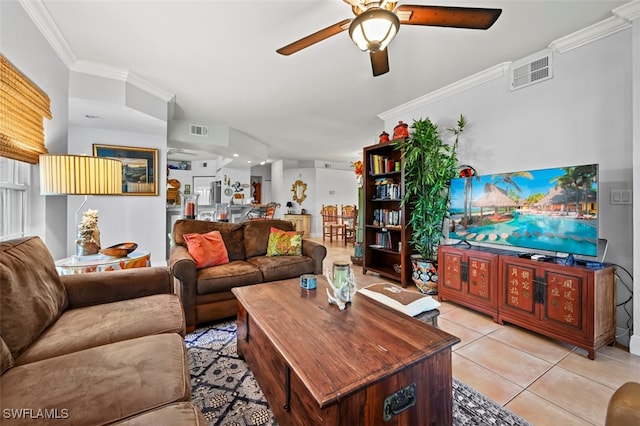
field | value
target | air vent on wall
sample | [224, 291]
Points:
[198, 130]
[528, 71]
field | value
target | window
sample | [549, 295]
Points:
[14, 196]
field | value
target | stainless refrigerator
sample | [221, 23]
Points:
[210, 190]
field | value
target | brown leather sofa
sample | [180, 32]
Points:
[206, 293]
[624, 406]
[96, 348]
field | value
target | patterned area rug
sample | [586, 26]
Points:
[228, 395]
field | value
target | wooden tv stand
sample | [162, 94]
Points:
[575, 304]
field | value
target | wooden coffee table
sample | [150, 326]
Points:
[366, 365]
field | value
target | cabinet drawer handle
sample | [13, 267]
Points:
[399, 401]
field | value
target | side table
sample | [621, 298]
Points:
[100, 262]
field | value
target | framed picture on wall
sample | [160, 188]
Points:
[139, 167]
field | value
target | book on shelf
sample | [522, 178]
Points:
[383, 240]
[379, 164]
[387, 217]
[386, 188]
[406, 301]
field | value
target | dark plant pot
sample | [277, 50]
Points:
[425, 274]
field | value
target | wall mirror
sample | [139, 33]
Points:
[299, 188]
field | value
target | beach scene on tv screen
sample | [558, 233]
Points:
[552, 209]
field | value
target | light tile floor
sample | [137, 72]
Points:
[544, 381]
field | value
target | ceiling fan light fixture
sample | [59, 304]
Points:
[374, 29]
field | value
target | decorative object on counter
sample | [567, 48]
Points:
[173, 192]
[119, 250]
[401, 131]
[190, 206]
[384, 137]
[222, 212]
[88, 241]
[342, 282]
[139, 167]
[429, 166]
[299, 189]
[289, 207]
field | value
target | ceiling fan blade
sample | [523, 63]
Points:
[445, 16]
[314, 38]
[379, 62]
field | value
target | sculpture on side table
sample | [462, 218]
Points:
[88, 241]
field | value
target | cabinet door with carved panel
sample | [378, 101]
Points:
[518, 290]
[564, 300]
[468, 277]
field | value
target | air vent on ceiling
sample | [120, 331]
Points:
[198, 130]
[528, 71]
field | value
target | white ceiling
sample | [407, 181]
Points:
[218, 58]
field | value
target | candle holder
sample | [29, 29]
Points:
[190, 205]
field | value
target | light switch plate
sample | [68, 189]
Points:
[621, 196]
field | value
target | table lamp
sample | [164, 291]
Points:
[62, 174]
[289, 207]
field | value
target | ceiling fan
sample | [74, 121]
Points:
[377, 22]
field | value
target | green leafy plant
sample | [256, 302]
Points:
[429, 166]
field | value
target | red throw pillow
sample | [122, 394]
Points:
[207, 249]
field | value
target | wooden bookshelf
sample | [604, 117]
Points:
[386, 235]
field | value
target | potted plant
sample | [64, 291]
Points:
[429, 166]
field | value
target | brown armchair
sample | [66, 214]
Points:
[624, 406]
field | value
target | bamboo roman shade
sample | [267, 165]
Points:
[22, 108]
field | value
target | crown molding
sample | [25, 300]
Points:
[100, 70]
[467, 83]
[119, 74]
[151, 88]
[590, 34]
[628, 11]
[41, 17]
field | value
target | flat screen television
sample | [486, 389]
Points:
[553, 210]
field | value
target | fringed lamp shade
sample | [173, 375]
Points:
[79, 175]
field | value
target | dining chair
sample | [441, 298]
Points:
[331, 224]
[349, 217]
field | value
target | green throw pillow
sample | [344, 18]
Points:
[284, 243]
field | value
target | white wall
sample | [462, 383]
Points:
[278, 191]
[25, 47]
[308, 176]
[121, 218]
[582, 115]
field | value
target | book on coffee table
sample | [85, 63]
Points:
[406, 301]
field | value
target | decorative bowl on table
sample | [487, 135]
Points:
[119, 250]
